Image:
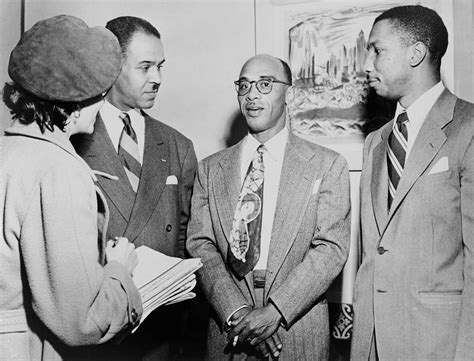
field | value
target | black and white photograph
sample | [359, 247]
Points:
[191, 180]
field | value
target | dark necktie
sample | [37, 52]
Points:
[396, 154]
[244, 248]
[128, 152]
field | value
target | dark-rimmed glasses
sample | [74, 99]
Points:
[264, 86]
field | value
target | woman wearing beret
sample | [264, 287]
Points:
[61, 284]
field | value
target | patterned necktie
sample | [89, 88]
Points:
[396, 154]
[128, 152]
[244, 249]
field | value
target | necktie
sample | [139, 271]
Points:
[396, 154]
[244, 249]
[128, 152]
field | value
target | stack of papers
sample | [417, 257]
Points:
[163, 280]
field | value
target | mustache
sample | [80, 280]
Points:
[253, 105]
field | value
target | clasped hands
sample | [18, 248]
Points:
[257, 327]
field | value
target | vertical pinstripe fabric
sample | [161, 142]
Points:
[129, 153]
[396, 154]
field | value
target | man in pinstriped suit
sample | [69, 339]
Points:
[154, 211]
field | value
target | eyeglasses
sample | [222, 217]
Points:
[264, 86]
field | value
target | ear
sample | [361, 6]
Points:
[419, 52]
[290, 94]
[74, 116]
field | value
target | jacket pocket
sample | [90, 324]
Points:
[13, 321]
[14, 336]
[440, 297]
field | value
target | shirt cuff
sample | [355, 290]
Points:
[228, 321]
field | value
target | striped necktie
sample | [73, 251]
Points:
[128, 152]
[396, 154]
[244, 250]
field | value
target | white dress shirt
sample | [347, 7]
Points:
[114, 125]
[273, 161]
[418, 111]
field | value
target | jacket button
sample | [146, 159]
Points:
[134, 316]
[381, 250]
[169, 227]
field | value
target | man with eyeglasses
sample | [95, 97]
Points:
[270, 219]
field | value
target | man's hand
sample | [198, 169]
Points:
[257, 326]
[122, 251]
[271, 346]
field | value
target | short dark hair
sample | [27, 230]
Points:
[124, 27]
[28, 108]
[286, 71]
[418, 23]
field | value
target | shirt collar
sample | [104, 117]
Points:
[420, 108]
[275, 146]
[110, 112]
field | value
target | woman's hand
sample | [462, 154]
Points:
[122, 251]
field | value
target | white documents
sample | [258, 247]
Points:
[163, 280]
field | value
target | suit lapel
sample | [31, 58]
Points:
[427, 144]
[227, 187]
[298, 172]
[155, 170]
[379, 183]
[102, 156]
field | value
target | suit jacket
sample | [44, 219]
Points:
[55, 291]
[156, 216]
[308, 248]
[415, 286]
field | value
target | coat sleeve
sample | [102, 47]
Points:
[465, 346]
[188, 173]
[75, 297]
[327, 252]
[214, 277]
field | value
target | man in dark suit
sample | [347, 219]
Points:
[146, 170]
[414, 293]
[270, 219]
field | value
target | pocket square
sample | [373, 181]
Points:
[316, 186]
[171, 180]
[442, 165]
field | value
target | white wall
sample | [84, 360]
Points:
[206, 42]
[463, 14]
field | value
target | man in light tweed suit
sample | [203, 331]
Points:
[414, 291]
[267, 284]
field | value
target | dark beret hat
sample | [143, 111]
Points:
[62, 59]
